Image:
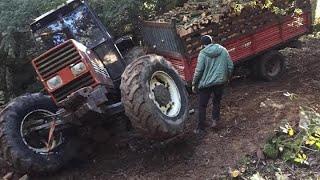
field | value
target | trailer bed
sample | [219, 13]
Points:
[247, 46]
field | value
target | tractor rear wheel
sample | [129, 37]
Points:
[154, 97]
[26, 143]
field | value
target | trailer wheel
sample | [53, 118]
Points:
[295, 44]
[271, 66]
[26, 149]
[134, 53]
[154, 97]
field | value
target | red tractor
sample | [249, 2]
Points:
[87, 74]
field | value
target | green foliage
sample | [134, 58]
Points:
[18, 14]
[16, 43]
[271, 151]
[123, 16]
[118, 15]
[294, 144]
[271, 5]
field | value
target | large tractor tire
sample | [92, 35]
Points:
[270, 66]
[27, 150]
[154, 97]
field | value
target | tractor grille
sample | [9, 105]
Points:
[61, 57]
[54, 61]
[98, 69]
[83, 81]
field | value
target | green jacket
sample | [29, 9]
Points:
[214, 67]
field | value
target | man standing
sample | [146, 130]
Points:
[214, 68]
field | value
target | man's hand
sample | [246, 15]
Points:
[194, 89]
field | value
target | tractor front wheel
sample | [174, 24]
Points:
[154, 97]
[28, 137]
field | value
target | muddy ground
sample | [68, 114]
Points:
[251, 110]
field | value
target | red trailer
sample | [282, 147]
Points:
[258, 45]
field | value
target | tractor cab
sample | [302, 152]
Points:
[75, 20]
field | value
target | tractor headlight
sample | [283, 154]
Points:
[54, 82]
[78, 69]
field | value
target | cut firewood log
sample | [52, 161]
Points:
[219, 19]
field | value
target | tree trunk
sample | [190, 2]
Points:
[313, 9]
[2, 85]
[317, 10]
[9, 94]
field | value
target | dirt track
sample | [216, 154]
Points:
[251, 110]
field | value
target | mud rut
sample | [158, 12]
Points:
[245, 127]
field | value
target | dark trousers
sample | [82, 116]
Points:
[204, 97]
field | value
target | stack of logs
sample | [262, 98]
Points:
[222, 19]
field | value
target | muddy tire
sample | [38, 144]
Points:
[154, 97]
[24, 157]
[134, 54]
[270, 66]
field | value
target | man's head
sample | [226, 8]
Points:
[206, 40]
